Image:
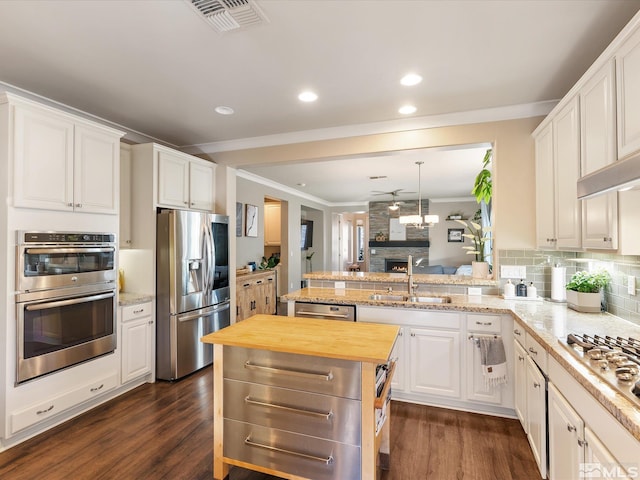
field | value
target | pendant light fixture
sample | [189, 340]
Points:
[418, 221]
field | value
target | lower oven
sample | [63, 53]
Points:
[63, 327]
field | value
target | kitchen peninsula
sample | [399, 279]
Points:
[295, 399]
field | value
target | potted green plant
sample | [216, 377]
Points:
[584, 291]
[479, 236]
[483, 186]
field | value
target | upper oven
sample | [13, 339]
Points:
[50, 260]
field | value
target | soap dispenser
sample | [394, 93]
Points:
[509, 289]
[532, 291]
[521, 289]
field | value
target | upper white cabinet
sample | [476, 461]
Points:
[184, 181]
[558, 215]
[628, 98]
[272, 224]
[125, 238]
[598, 149]
[63, 163]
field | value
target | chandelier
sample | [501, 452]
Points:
[418, 221]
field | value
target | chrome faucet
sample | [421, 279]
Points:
[410, 285]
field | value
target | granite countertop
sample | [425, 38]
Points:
[545, 321]
[133, 298]
[360, 342]
[400, 278]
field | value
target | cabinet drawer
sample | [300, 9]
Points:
[295, 454]
[536, 352]
[288, 370]
[324, 416]
[519, 334]
[55, 405]
[131, 312]
[484, 323]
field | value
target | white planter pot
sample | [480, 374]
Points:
[479, 269]
[584, 302]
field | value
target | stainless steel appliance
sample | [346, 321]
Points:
[66, 300]
[345, 313]
[615, 360]
[192, 288]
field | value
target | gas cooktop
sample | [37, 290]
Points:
[614, 359]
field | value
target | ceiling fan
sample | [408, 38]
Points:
[394, 193]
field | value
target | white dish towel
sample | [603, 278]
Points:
[493, 360]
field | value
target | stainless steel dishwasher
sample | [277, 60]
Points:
[326, 311]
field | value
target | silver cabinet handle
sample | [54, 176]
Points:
[536, 385]
[326, 314]
[582, 443]
[97, 389]
[521, 358]
[293, 373]
[138, 311]
[517, 332]
[571, 428]
[326, 460]
[484, 323]
[78, 205]
[325, 415]
[40, 412]
[533, 351]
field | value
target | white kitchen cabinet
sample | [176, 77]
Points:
[520, 384]
[125, 238]
[598, 458]
[398, 381]
[566, 156]
[537, 415]
[545, 191]
[434, 362]
[184, 181]
[138, 334]
[627, 59]
[480, 324]
[62, 162]
[272, 223]
[598, 149]
[566, 438]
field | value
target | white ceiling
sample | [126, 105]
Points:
[156, 68]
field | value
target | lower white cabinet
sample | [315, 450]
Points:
[137, 326]
[520, 383]
[537, 414]
[437, 361]
[566, 438]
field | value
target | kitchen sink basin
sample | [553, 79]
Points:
[409, 298]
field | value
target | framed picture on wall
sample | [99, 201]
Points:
[455, 235]
[238, 219]
[251, 229]
[397, 231]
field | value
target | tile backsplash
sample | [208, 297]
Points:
[539, 262]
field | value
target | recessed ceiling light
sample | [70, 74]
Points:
[411, 79]
[407, 110]
[222, 110]
[307, 96]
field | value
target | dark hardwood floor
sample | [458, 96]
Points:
[164, 431]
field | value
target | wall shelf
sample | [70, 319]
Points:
[399, 243]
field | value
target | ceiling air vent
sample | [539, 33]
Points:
[226, 15]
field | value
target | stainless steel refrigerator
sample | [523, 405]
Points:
[192, 288]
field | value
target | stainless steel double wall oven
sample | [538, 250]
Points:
[65, 300]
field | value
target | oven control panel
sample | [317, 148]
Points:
[65, 237]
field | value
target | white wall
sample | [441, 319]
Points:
[441, 251]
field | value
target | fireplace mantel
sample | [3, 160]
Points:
[400, 243]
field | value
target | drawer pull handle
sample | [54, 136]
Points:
[326, 460]
[517, 332]
[326, 415]
[293, 373]
[484, 323]
[535, 352]
[322, 314]
[96, 389]
[138, 311]
[40, 412]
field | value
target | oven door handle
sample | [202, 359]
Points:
[44, 251]
[71, 301]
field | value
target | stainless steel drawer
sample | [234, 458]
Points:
[324, 416]
[295, 454]
[288, 370]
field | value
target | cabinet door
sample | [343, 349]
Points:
[435, 362]
[566, 452]
[628, 98]
[125, 240]
[96, 175]
[537, 415]
[43, 160]
[173, 180]
[598, 459]
[476, 388]
[520, 359]
[136, 348]
[598, 149]
[245, 297]
[545, 191]
[566, 156]
[272, 224]
[398, 381]
[201, 190]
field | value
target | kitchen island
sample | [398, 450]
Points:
[298, 400]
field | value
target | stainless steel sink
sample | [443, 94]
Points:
[409, 298]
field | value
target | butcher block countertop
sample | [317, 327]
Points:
[359, 342]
